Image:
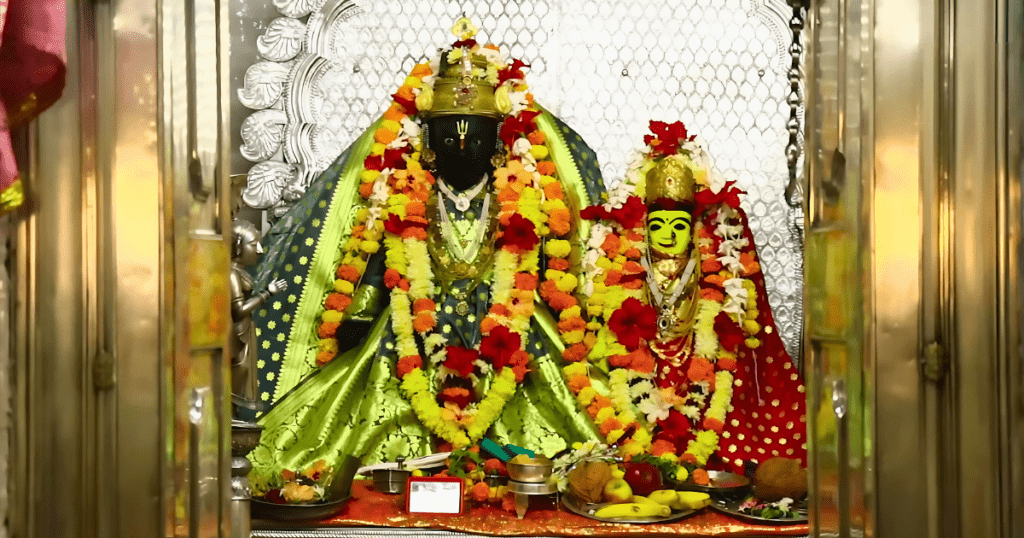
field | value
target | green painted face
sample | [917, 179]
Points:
[669, 231]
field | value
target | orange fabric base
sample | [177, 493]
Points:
[369, 508]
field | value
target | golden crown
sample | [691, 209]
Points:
[458, 92]
[671, 178]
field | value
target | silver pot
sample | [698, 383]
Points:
[391, 480]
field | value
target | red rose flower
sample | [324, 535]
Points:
[520, 233]
[667, 137]
[594, 212]
[499, 345]
[729, 195]
[396, 225]
[394, 159]
[673, 429]
[461, 360]
[631, 214]
[513, 71]
[516, 126]
[730, 335]
[374, 162]
[633, 321]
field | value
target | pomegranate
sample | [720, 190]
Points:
[644, 478]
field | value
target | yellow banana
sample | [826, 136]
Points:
[617, 472]
[664, 496]
[692, 500]
[640, 499]
[616, 511]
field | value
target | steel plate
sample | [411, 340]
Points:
[720, 482]
[732, 507]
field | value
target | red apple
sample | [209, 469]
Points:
[644, 478]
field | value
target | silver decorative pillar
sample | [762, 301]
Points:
[244, 438]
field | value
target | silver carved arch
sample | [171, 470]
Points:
[326, 69]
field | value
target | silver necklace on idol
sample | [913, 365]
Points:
[464, 252]
[666, 309]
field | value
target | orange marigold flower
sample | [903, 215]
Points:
[487, 324]
[424, 322]
[632, 268]
[572, 324]
[414, 232]
[403, 284]
[725, 363]
[558, 221]
[499, 310]
[416, 209]
[612, 278]
[365, 190]
[405, 92]
[347, 272]
[423, 305]
[620, 361]
[712, 295]
[558, 264]
[713, 424]
[710, 266]
[407, 364]
[526, 281]
[634, 236]
[546, 168]
[754, 267]
[520, 372]
[642, 361]
[700, 370]
[561, 300]
[548, 287]
[689, 458]
[578, 382]
[420, 70]
[575, 352]
[384, 136]
[536, 137]
[508, 196]
[337, 301]
[662, 446]
[599, 403]
[553, 190]
[633, 253]
[611, 243]
[327, 329]
[395, 113]
[494, 466]
[715, 279]
[479, 492]
[610, 425]
[391, 278]
[324, 357]
[633, 284]
[700, 477]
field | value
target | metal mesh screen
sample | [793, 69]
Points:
[606, 68]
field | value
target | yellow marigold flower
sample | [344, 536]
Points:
[327, 344]
[392, 126]
[362, 215]
[573, 337]
[682, 474]
[369, 247]
[570, 313]
[368, 176]
[414, 82]
[553, 204]
[539, 151]
[557, 248]
[752, 343]
[576, 368]
[603, 263]
[332, 316]
[604, 414]
[546, 180]
[594, 309]
[593, 325]
[294, 492]
[587, 395]
[751, 326]
[567, 283]
[343, 286]
[377, 149]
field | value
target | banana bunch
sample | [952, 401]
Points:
[660, 503]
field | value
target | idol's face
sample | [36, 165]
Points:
[251, 250]
[464, 146]
[669, 231]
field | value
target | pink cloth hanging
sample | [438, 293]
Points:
[32, 70]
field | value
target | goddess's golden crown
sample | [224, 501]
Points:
[458, 92]
[671, 178]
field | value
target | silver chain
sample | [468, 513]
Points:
[794, 191]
